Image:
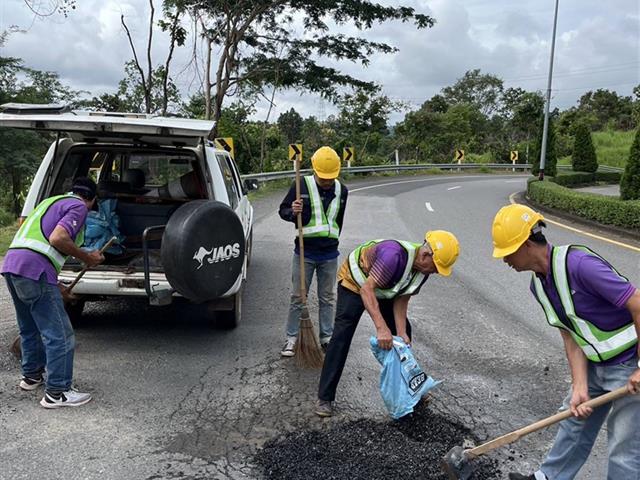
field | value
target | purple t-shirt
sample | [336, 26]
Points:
[68, 213]
[599, 294]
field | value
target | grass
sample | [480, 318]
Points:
[6, 235]
[612, 148]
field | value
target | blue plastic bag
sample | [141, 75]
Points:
[402, 382]
[101, 226]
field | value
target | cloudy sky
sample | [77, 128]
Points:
[597, 46]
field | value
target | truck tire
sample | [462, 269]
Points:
[203, 249]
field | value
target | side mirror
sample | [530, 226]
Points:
[251, 184]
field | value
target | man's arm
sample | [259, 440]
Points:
[579, 379]
[633, 305]
[368, 295]
[400, 307]
[62, 241]
[286, 210]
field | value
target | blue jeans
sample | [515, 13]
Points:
[575, 437]
[45, 331]
[326, 278]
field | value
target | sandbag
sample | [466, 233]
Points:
[402, 382]
[203, 249]
[101, 225]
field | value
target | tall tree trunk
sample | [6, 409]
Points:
[15, 192]
[147, 93]
[207, 81]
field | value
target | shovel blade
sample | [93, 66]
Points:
[456, 464]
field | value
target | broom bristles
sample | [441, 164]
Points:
[308, 353]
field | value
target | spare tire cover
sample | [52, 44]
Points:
[203, 249]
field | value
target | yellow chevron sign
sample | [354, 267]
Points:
[295, 152]
[225, 143]
[348, 154]
[459, 155]
[514, 155]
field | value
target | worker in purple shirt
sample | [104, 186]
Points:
[597, 312]
[54, 230]
[380, 277]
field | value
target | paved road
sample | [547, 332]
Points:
[609, 190]
[175, 399]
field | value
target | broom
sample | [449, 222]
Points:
[307, 351]
[16, 347]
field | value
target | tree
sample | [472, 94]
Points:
[151, 96]
[630, 183]
[583, 158]
[483, 91]
[290, 124]
[551, 160]
[151, 81]
[263, 43]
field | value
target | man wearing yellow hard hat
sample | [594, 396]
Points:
[597, 312]
[322, 204]
[380, 276]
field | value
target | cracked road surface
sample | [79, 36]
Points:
[176, 399]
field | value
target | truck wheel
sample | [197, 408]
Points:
[74, 310]
[203, 249]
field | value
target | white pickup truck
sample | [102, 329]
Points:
[180, 203]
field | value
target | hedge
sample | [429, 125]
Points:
[575, 179]
[600, 208]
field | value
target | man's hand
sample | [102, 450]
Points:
[94, 258]
[296, 206]
[385, 339]
[67, 296]
[634, 382]
[405, 338]
[579, 396]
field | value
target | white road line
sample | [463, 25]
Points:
[453, 188]
[429, 207]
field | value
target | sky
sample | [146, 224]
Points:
[597, 46]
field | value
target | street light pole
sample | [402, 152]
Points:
[545, 128]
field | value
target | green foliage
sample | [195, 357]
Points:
[612, 147]
[630, 183]
[600, 208]
[6, 236]
[579, 179]
[584, 154]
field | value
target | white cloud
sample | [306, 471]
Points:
[597, 47]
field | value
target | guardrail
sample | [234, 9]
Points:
[267, 176]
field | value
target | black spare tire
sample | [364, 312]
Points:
[203, 249]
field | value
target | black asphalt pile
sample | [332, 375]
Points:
[411, 448]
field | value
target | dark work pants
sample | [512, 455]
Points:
[349, 309]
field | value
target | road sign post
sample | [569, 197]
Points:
[295, 153]
[459, 156]
[348, 155]
[225, 143]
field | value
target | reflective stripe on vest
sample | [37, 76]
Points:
[31, 236]
[321, 224]
[408, 283]
[597, 345]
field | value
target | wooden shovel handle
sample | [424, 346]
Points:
[544, 423]
[104, 248]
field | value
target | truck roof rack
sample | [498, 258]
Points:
[32, 108]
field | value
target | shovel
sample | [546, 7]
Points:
[15, 347]
[457, 463]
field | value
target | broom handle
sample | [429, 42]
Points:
[86, 267]
[303, 290]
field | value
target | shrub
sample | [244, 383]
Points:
[583, 157]
[600, 208]
[6, 218]
[630, 183]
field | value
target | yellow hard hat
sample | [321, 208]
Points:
[512, 226]
[445, 249]
[326, 163]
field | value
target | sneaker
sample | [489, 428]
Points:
[287, 350]
[28, 383]
[70, 398]
[324, 408]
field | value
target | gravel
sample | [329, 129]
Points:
[367, 449]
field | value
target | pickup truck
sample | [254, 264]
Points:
[181, 207]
